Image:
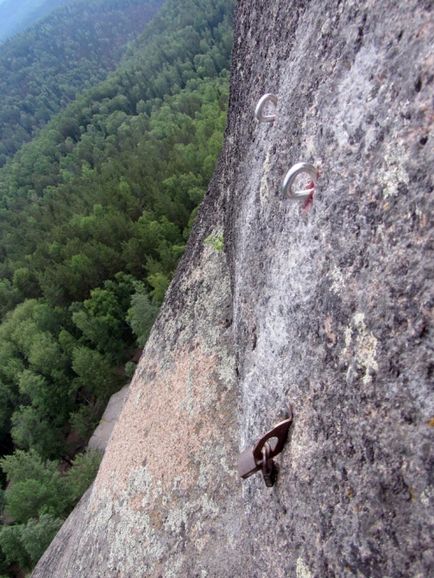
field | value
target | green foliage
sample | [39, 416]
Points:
[35, 378]
[95, 373]
[71, 50]
[216, 242]
[22, 466]
[141, 316]
[36, 487]
[81, 475]
[24, 281]
[24, 544]
[26, 499]
[36, 535]
[32, 430]
[159, 282]
[101, 318]
[130, 368]
[84, 420]
[95, 212]
[62, 351]
[38, 498]
[9, 296]
[12, 547]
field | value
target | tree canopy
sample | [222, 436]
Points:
[45, 67]
[95, 212]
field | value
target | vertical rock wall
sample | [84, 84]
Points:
[329, 309]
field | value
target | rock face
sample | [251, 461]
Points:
[329, 308]
[103, 432]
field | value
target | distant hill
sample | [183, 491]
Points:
[16, 15]
[43, 68]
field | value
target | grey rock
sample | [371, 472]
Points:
[103, 432]
[329, 309]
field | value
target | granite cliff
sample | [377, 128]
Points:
[327, 307]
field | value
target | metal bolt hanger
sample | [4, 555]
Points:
[260, 455]
[296, 169]
[259, 110]
[290, 177]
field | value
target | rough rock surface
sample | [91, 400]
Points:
[329, 308]
[103, 432]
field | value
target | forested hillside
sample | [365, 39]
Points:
[16, 15]
[43, 69]
[94, 215]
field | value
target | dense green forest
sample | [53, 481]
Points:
[95, 212]
[43, 69]
[16, 15]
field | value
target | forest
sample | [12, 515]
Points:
[45, 67]
[95, 212]
[17, 16]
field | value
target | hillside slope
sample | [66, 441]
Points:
[18, 15]
[44, 68]
[329, 309]
[94, 216]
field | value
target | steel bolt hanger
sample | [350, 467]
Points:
[260, 455]
[259, 110]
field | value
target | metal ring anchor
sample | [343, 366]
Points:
[259, 110]
[290, 177]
